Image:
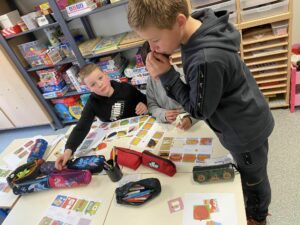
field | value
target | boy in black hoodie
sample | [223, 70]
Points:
[109, 101]
[220, 88]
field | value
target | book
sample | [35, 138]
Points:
[131, 39]
[86, 48]
[108, 43]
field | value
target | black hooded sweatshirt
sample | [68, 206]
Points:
[220, 88]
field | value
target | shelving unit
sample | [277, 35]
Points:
[269, 68]
[61, 21]
[267, 56]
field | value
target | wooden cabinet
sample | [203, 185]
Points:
[19, 106]
[266, 53]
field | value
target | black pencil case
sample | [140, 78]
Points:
[150, 186]
[25, 172]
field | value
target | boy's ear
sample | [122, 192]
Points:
[181, 20]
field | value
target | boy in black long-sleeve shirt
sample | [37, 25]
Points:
[220, 88]
[109, 101]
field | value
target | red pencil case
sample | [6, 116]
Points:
[158, 163]
[128, 158]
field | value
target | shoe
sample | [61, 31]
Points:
[251, 221]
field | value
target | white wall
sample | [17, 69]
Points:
[296, 20]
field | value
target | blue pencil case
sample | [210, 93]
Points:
[93, 163]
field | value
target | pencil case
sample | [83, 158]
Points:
[25, 172]
[128, 158]
[48, 167]
[93, 163]
[38, 150]
[209, 174]
[158, 163]
[38, 184]
[68, 178]
[139, 192]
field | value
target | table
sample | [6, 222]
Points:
[154, 212]
[9, 200]
[157, 212]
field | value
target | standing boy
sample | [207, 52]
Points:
[220, 88]
[109, 101]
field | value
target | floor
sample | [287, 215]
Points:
[9, 135]
[283, 165]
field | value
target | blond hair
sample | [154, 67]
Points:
[160, 13]
[87, 69]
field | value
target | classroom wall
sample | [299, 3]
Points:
[296, 19]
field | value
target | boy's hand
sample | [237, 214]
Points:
[171, 115]
[157, 64]
[141, 108]
[62, 160]
[185, 124]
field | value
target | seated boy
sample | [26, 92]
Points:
[220, 88]
[165, 109]
[109, 101]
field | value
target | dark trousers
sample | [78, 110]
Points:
[256, 187]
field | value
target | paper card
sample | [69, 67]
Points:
[71, 210]
[175, 205]
[209, 208]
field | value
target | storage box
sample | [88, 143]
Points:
[254, 3]
[228, 5]
[30, 20]
[45, 88]
[280, 28]
[31, 52]
[202, 3]
[51, 57]
[11, 31]
[56, 94]
[80, 8]
[10, 19]
[265, 11]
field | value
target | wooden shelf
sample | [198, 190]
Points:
[265, 54]
[269, 37]
[258, 22]
[272, 74]
[269, 68]
[274, 92]
[273, 86]
[278, 104]
[266, 60]
[265, 47]
[264, 81]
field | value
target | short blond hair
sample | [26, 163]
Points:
[87, 69]
[160, 13]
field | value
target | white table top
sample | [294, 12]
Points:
[154, 212]
[8, 201]
[157, 212]
[30, 208]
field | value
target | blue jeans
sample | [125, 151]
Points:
[256, 186]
